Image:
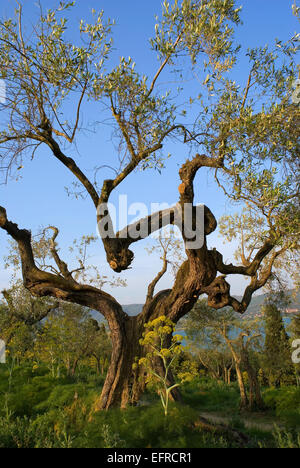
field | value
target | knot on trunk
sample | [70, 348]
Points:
[210, 222]
[218, 293]
[3, 217]
[181, 188]
[120, 257]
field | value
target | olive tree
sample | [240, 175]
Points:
[243, 134]
[211, 330]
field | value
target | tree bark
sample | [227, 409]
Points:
[244, 402]
[74, 367]
[255, 398]
[121, 385]
[124, 384]
[229, 375]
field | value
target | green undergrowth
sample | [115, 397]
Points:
[37, 410]
[211, 395]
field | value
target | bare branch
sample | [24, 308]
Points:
[160, 274]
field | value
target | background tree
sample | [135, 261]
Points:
[20, 317]
[101, 349]
[23, 307]
[211, 360]
[295, 335]
[18, 337]
[212, 330]
[246, 136]
[69, 336]
[277, 350]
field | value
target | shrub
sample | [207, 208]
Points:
[282, 399]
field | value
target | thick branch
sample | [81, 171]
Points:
[219, 290]
[41, 283]
[248, 270]
[47, 138]
[116, 246]
[188, 172]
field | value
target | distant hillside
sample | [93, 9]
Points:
[130, 309]
[133, 309]
[258, 301]
[254, 307]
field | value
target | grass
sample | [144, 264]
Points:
[208, 395]
[39, 411]
[285, 402]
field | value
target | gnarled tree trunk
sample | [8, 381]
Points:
[124, 384]
[121, 385]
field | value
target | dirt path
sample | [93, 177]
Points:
[216, 418]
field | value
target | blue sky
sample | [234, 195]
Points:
[39, 198]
